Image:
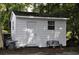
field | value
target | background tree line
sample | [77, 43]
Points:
[70, 11]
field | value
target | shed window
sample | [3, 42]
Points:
[51, 25]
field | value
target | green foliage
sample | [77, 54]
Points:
[5, 12]
[68, 35]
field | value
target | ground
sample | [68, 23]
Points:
[40, 51]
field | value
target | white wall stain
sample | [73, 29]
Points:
[31, 35]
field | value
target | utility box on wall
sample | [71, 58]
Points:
[33, 29]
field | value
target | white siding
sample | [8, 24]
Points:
[20, 33]
[13, 31]
[60, 29]
[35, 31]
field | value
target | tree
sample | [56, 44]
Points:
[6, 12]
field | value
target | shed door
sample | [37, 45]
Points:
[31, 28]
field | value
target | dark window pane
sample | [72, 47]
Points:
[51, 23]
[51, 27]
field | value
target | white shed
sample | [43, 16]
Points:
[33, 29]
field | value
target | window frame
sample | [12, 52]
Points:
[51, 25]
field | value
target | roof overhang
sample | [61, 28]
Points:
[36, 17]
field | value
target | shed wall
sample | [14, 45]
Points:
[34, 32]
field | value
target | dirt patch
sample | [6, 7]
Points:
[40, 51]
[31, 51]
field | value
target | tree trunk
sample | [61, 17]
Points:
[1, 40]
